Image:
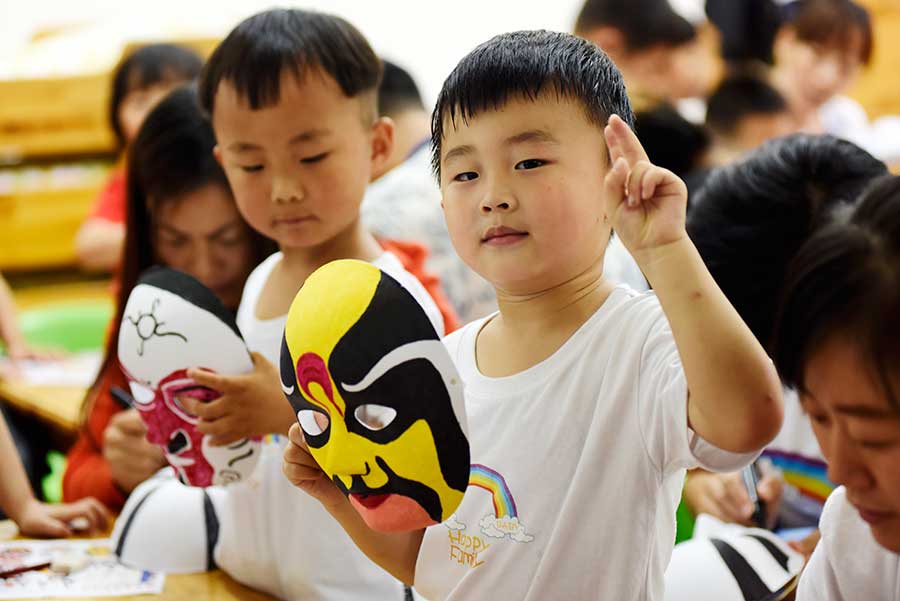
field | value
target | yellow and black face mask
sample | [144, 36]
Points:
[377, 396]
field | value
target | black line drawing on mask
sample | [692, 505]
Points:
[143, 327]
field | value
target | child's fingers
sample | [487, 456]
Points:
[295, 435]
[623, 141]
[635, 182]
[614, 185]
[209, 379]
[206, 410]
[221, 432]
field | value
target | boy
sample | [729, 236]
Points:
[292, 100]
[580, 422]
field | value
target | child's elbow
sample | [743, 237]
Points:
[763, 423]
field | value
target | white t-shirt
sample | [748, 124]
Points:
[274, 537]
[848, 564]
[578, 464]
[264, 335]
[846, 118]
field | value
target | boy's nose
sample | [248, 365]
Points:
[286, 190]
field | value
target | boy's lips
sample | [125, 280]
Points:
[293, 220]
[873, 516]
[501, 235]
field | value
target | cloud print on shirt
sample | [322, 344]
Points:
[506, 526]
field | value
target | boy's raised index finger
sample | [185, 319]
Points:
[625, 142]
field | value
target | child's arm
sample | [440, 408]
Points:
[395, 552]
[33, 517]
[735, 395]
[251, 404]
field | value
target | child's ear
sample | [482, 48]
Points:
[217, 153]
[382, 146]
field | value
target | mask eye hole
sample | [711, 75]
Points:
[178, 442]
[312, 422]
[375, 417]
[142, 394]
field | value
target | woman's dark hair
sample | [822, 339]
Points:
[171, 156]
[832, 23]
[523, 64]
[845, 282]
[750, 219]
[670, 140]
[145, 67]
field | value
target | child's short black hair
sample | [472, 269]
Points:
[145, 67]
[749, 219]
[526, 63]
[643, 23]
[255, 54]
[398, 91]
[738, 96]
[845, 281]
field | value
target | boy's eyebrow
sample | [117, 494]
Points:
[306, 136]
[459, 152]
[533, 135]
[310, 135]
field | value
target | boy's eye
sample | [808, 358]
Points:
[819, 418]
[465, 176]
[251, 168]
[314, 159]
[530, 164]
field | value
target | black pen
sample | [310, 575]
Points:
[750, 475]
[124, 399]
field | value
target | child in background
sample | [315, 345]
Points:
[837, 342]
[405, 202]
[657, 50]
[181, 214]
[292, 95]
[743, 112]
[819, 51]
[139, 82]
[748, 223]
[580, 420]
[33, 517]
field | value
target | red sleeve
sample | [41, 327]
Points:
[412, 256]
[87, 472]
[110, 204]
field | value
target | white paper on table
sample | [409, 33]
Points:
[103, 576]
[79, 369]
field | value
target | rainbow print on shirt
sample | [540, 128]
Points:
[504, 521]
[809, 476]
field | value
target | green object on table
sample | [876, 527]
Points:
[51, 484]
[684, 520]
[72, 327]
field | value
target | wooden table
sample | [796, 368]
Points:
[59, 406]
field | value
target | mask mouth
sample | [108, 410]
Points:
[370, 501]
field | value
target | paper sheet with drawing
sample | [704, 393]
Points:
[102, 575]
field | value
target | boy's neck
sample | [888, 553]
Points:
[353, 243]
[531, 327]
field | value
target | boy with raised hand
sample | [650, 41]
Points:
[585, 402]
